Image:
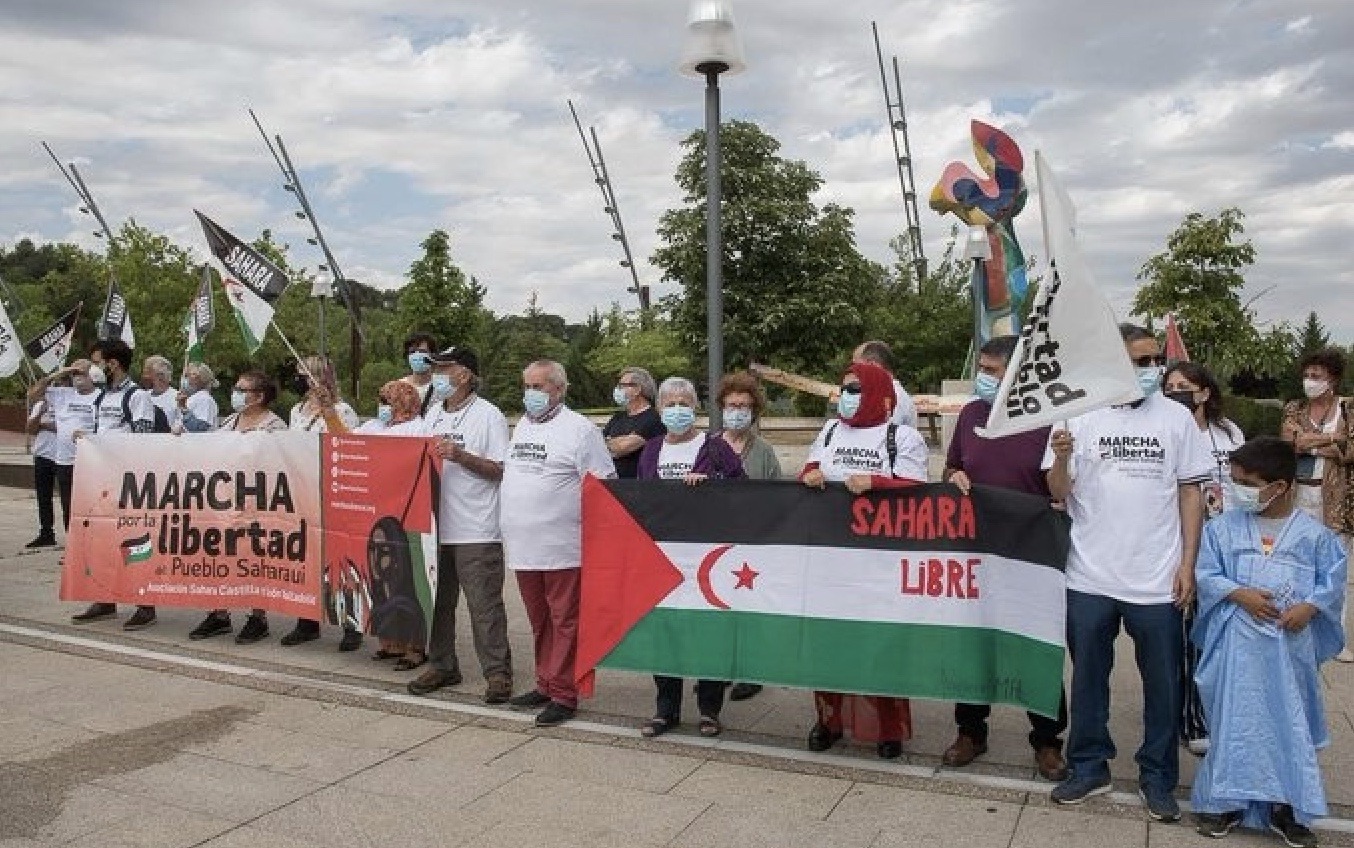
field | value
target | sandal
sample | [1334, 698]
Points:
[387, 654]
[410, 662]
[656, 726]
[710, 726]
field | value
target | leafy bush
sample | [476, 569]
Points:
[1255, 418]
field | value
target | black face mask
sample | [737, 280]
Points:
[300, 384]
[1185, 399]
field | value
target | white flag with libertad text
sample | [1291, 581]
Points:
[11, 349]
[1070, 358]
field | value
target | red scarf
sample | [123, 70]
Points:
[877, 398]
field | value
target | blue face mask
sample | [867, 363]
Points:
[678, 419]
[985, 386]
[536, 402]
[620, 396]
[1149, 380]
[443, 386]
[737, 419]
[384, 413]
[237, 401]
[420, 362]
[1247, 498]
[185, 386]
[848, 404]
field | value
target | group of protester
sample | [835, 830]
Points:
[1224, 616]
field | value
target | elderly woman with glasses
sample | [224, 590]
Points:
[690, 455]
[864, 451]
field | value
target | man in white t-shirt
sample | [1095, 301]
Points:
[120, 407]
[551, 450]
[72, 413]
[1130, 476]
[42, 427]
[905, 411]
[157, 374]
[473, 444]
[197, 408]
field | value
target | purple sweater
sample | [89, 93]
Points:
[715, 458]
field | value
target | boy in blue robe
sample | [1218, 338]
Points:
[1271, 587]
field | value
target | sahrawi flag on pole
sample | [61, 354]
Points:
[251, 281]
[49, 349]
[116, 322]
[1070, 357]
[917, 592]
[201, 317]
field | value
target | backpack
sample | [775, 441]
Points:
[890, 442]
[161, 420]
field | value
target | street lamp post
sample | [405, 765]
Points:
[322, 287]
[712, 48]
[978, 250]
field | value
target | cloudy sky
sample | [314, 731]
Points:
[410, 115]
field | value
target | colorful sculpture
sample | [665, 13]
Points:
[999, 283]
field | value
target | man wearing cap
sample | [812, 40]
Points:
[473, 446]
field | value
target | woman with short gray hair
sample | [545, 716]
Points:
[635, 423]
[689, 455]
[197, 407]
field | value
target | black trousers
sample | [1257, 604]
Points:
[48, 478]
[709, 697]
[1044, 731]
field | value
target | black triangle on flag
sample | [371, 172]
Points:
[243, 262]
[48, 349]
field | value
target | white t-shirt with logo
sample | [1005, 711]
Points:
[842, 450]
[168, 401]
[542, 515]
[1127, 465]
[73, 411]
[675, 461]
[469, 510]
[44, 443]
[203, 406]
[109, 414]
[1222, 440]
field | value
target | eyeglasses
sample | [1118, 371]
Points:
[853, 389]
[244, 389]
[1148, 361]
[628, 385]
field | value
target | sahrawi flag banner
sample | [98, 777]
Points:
[917, 592]
[251, 281]
[1070, 358]
[201, 317]
[49, 349]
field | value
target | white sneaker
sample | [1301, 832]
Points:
[1345, 656]
[1198, 747]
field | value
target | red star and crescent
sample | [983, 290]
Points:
[746, 575]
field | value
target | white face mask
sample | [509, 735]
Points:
[1247, 498]
[1314, 388]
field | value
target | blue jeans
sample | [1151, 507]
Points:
[1092, 625]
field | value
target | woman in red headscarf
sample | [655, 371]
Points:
[864, 451]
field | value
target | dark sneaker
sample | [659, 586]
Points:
[351, 641]
[554, 715]
[45, 539]
[1075, 789]
[532, 700]
[1161, 805]
[255, 628]
[743, 691]
[304, 631]
[1050, 763]
[1217, 827]
[498, 689]
[433, 679]
[143, 617]
[964, 750]
[95, 612]
[215, 624]
[1294, 835]
[820, 738]
[889, 750]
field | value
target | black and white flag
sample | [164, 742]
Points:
[116, 322]
[48, 350]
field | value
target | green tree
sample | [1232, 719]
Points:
[438, 298]
[796, 289]
[1199, 277]
[1312, 336]
[514, 341]
[651, 344]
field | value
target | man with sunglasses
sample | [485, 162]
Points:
[1130, 477]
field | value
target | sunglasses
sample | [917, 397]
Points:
[1148, 361]
[853, 389]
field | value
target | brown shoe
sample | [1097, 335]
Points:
[498, 689]
[964, 751]
[1051, 764]
[433, 679]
